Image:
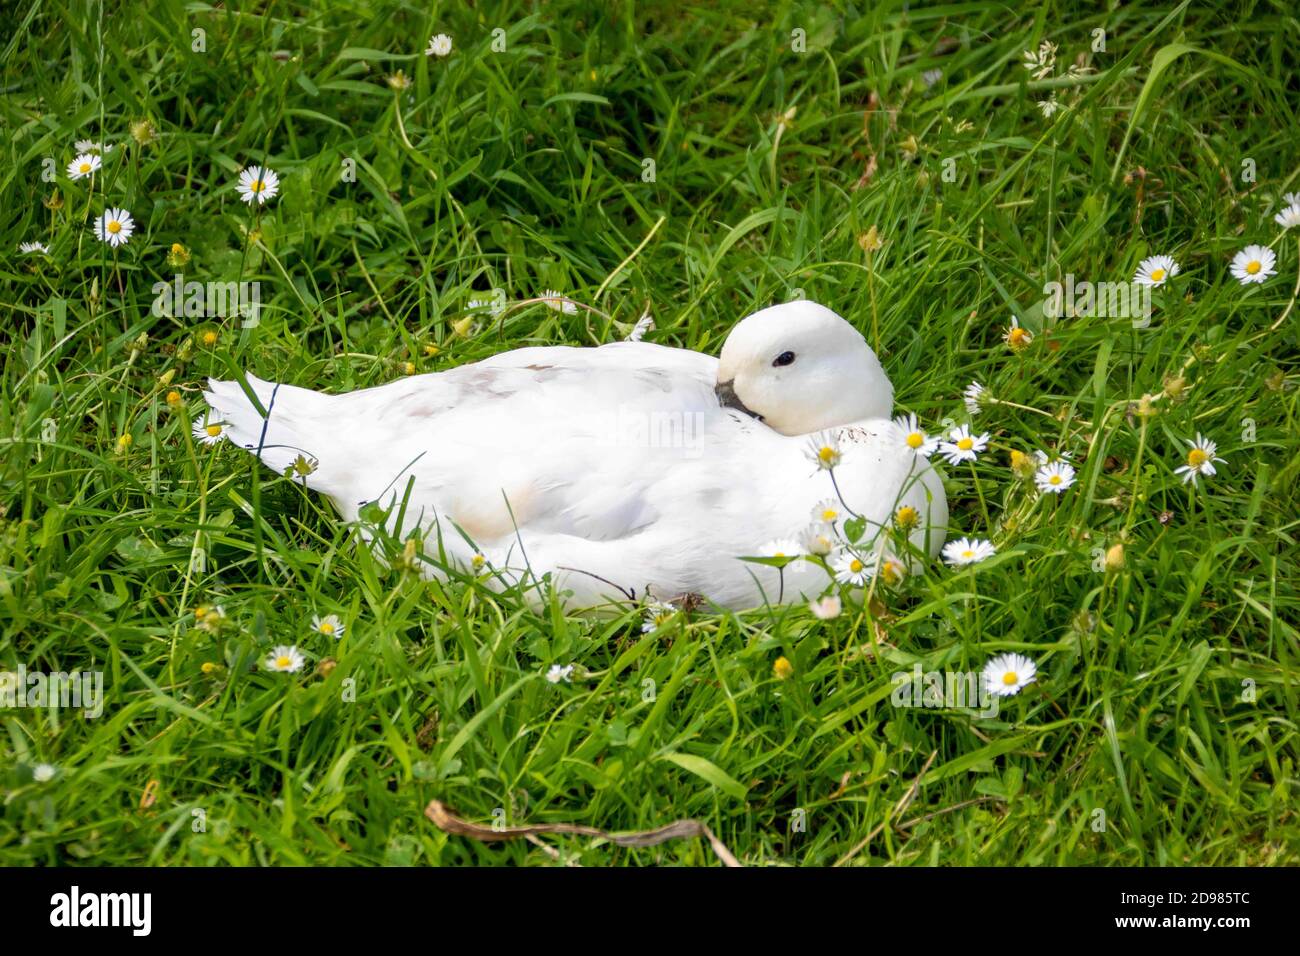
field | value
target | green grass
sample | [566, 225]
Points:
[522, 170]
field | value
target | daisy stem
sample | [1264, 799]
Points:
[1294, 293]
[988, 523]
[871, 291]
[836, 485]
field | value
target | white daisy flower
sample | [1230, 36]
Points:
[780, 548]
[329, 625]
[208, 433]
[439, 45]
[1200, 459]
[1054, 477]
[1008, 674]
[28, 248]
[558, 673]
[1291, 199]
[818, 538]
[257, 183]
[1253, 264]
[890, 569]
[1017, 337]
[967, 551]
[851, 569]
[824, 450]
[285, 659]
[1288, 217]
[1156, 270]
[114, 227]
[827, 511]
[84, 165]
[824, 609]
[553, 300]
[643, 325]
[209, 617]
[91, 146]
[657, 614]
[974, 397]
[43, 772]
[963, 446]
[907, 432]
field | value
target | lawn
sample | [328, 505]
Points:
[926, 171]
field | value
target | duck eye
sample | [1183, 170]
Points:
[785, 358]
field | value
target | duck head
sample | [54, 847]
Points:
[800, 368]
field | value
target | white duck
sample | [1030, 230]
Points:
[631, 469]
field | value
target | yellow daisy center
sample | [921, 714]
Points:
[478, 560]
[915, 440]
[257, 185]
[890, 571]
[213, 430]
[906, 514]
[114, 226]
[84, 167]
[966, 444]
[968, 553]
[1253, 266]
[326, 627]
[778, 554]
[1010, 677]
[1196, 458]
[1157, 275]
[284, 662]
[1054, 480]
[830, 514]
[209, 338]
[826, 453]
[855, 566]
[1017, 336]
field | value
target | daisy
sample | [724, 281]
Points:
[28, 248]
[209, 618]
[891, 570]
[1054, 477]
[657, 614]
[1017, 338]
[330, 625]
[1288, 217]
[906, 518]
[1291, 199]
[1253, 264]
[553, 300]
[963, 446]
[967, 551]
[558, 673]
[286, 659]
[258, 183]
[908, 432]
[782, 669]
[780, 548]
[91, 146]
[114, 227]
[1156, 270]
[439, 45]
[827, 511]
[43, 772]
[974, 397]
[1048, 107]
[824, 450]
[1008, 674]
[824, 609]
[84, 165]
[209, 434]
[850, 569]
[1200, 459]
[818, 538]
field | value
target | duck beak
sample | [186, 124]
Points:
[728, 398]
